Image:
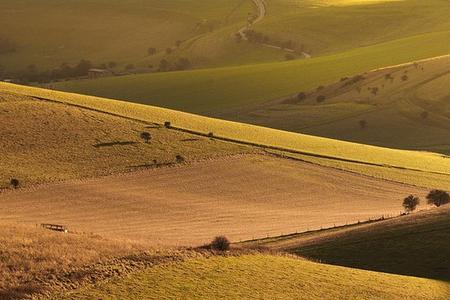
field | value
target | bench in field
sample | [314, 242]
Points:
[55, 227]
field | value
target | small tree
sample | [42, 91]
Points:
[14, 183]
[167, 124]
[220, 243]
[410, 203]
[438, 198]
[146, 136]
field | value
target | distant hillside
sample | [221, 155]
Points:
[400, 107]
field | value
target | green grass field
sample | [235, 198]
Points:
[277, 278]
[330, 26]
[213, 91]
[409, 111]
[104, 31]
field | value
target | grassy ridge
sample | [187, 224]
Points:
[45, 141]
[391, 160]
[262, 277]
[214, 90]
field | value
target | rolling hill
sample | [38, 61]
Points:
[413, 245]
[213, 91]
[261, 277]
[208, 182]
[103, 31]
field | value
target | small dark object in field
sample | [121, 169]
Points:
[220, 243]
[405, 77]
[438, 198]
[180, 159]
[167, 124]
[14, 183]
[320, 98]
[424, 114]
[301, 96]
[211, 134]
[363, 124]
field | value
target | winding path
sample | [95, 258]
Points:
[262, 10]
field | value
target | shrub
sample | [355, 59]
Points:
[405, 77]
[15, 183]
[301, 96]
[211, 134]
[146, 136]
[180, 159]
[410, 203]
[320, 98]
[167, 124]
[438, 198]
[168, 50]
[220, 243]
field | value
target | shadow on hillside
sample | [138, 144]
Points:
[117, 143]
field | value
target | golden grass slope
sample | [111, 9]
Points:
[46, 141]
[263, 277]
[242, 197]
[391, 160]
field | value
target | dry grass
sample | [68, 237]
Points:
[241, 197]
[31, 259]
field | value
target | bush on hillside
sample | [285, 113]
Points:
[410, 203]
[320, 98]
[179, 159]
[438, 198]
[301, 96]
[220, 243]
[146, 136]
[14, 183]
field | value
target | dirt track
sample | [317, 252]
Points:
[242, 197]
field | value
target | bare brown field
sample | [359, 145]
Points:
[242, 197]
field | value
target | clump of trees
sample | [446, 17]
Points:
[438, 198]
[410, 203]
[220, 243]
